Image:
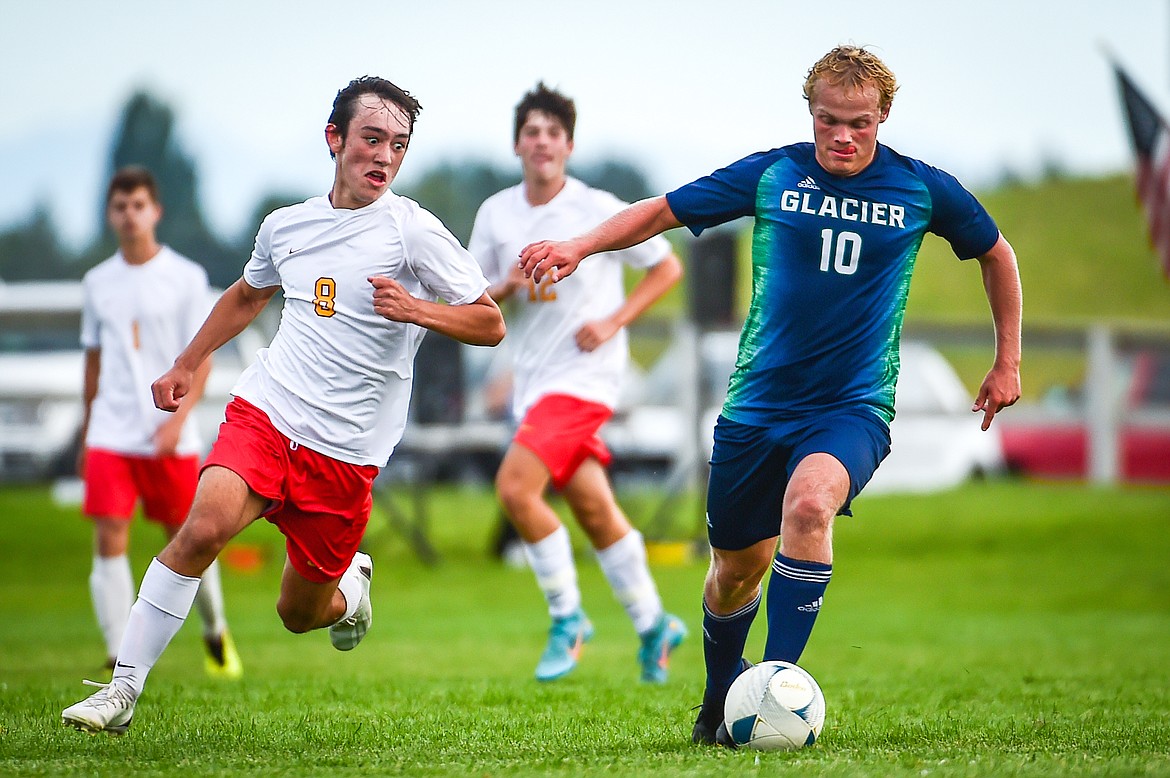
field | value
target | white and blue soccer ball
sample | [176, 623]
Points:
[774, 706]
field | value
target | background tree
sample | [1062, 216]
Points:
[31, 251]
[453, 191]
[617, 176]
[146, 136]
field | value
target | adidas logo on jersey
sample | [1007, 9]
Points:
[808, 183]
[813, 606]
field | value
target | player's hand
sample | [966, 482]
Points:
[1000, 388]
[557, 258]
[594, 333]
[392, 301]
[166, 437]
[514, 281]
[170, 388]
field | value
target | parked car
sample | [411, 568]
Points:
[936, 440]
[41, 375]
[1052, 440]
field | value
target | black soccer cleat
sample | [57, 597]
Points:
[710, 729]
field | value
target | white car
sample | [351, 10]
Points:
[937, 442]
[41, 376]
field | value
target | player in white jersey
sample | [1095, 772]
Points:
[570, 353]
[363, 271]
[141, 307]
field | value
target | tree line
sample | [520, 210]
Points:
[145, 135]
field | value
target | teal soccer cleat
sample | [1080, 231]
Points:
[566, 637]
[657, 643]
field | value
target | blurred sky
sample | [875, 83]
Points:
[678, 87]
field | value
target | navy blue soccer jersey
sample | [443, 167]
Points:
[831, 263]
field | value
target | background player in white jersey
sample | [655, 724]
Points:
[570, 353]
[141, 307]
[322, 408]
[838, 225]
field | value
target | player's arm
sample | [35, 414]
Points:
[641, 221]
[1001, 281]
[170, 432]
[504, 289]
[478, 323]
[89, 388]
[657, 281]
[236, 309]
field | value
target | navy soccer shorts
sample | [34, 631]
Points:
[750, 468]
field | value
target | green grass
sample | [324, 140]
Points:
[1005, 628]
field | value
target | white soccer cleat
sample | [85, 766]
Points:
[347, 633]
[110, 709]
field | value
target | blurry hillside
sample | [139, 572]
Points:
[1083, 256]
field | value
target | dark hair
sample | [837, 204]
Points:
[344, 105]
[547, 101]
[131, 178]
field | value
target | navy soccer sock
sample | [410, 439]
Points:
[724, 638]
[795, 594]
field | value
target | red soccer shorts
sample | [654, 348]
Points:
[562, 431]
[321, 505]
[114, 483]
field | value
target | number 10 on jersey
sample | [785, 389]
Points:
[840, 252]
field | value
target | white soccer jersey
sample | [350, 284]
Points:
[337, 376]
[141, 317]
[543, 336]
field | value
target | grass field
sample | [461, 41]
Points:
[1001, 629]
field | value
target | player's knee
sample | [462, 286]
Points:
[599, 516]
[200, 539]
[514, 494]
[809, 511]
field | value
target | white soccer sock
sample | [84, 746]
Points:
[111, 587]
[625, 567]
[209, 602]
[164, 600]
[350, 587]
[556, 574]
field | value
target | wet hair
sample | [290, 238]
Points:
[854, 68]
[345, 104]
[547, 101]
[130, 179]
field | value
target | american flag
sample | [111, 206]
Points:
[1151, 143]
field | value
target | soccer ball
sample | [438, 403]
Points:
[774, 706]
